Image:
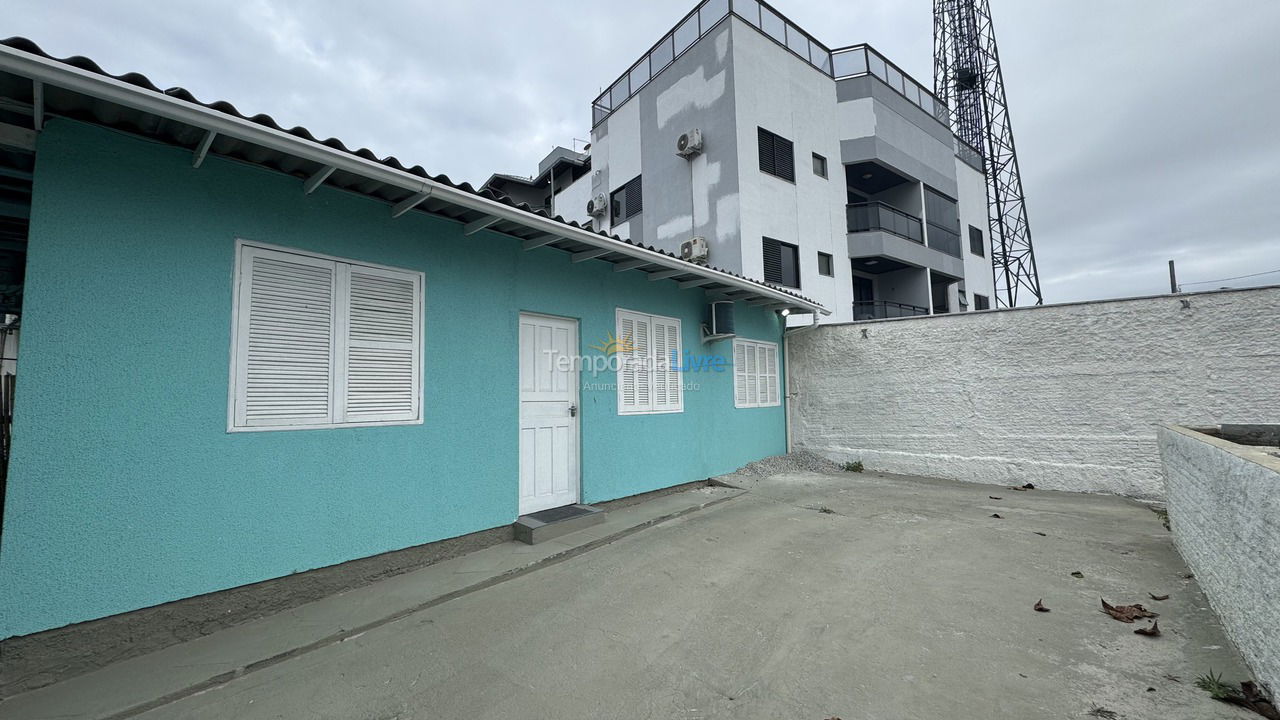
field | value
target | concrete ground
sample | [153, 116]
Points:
[905, 600]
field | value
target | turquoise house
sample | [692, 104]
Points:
[247, 353]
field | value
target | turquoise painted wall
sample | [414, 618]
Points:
[125, 489]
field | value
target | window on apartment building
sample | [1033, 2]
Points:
[755, 374]
[819, 165]
[976, 245]
[323, 342]
[826, 265]
[626, 201]
[981, 302]
[647, 381]
[777, 155]
[781, 263]
[943, 220]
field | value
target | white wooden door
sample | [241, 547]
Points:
[548, 413]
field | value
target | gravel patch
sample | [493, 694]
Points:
[800, 461]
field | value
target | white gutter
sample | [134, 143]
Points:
[106, 88]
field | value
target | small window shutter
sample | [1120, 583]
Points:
[771, 374]
[635, 202]
[772, 250]
[739, 374]
[666, 381]
[382, 344]
[285, 337]
[753, 377]
[784, 158]
[765, 140]
[635, 370]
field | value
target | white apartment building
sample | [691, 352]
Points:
[831, 172]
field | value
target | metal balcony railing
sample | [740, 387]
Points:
[864, 217]
[884, 309]
[944, 240]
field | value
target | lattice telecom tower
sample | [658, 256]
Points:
[966, 74]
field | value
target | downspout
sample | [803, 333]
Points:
[786, 355]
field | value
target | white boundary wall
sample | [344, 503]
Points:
[1067, 397]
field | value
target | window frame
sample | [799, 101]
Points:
[740, 400]
[795, 249]
[240, 296]
[820, 160]
[624, 189]
[651, 374]
[981, 300]
[772, 169]
[831, 264]
[982, 241]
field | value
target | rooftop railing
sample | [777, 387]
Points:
[839, 64]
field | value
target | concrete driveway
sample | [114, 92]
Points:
[905, 600]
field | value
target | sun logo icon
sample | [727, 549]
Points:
[612, 345]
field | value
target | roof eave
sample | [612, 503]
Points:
[112, 90]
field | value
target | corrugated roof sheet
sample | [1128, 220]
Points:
[74, 105]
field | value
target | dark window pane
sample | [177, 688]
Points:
[825, 264]
[980, 302]
[626, 201]
[819, 165]
[976, 245]
[781, 263]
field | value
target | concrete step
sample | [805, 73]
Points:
[548, 524]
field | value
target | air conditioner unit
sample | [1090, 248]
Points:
[689, 144]
[695, 250]
[597, 206]
[719, 323]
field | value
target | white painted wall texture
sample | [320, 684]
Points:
[1224, 510]
[1067, 397]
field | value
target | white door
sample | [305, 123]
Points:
[548, 413]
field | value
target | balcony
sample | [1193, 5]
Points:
[865, 217]
[885, 309]
[944, 240]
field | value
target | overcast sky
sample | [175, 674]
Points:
[1146, 129]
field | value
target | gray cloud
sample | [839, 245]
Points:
[1146, 130]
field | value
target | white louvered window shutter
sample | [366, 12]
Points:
[647, 383]
[739, 374]
[756, 381]
[320, 342]
[381, 363]
[666, 380]
[284, 339]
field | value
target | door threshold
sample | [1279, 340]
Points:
[545, 525]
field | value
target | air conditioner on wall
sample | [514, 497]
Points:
[689, 144]
[597, 206]
[695, 250]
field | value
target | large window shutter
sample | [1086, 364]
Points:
[666, 380]
[772, 250]
[285, 337]
[756, 381]
[383, 344]
[647, 382]
[324, 342]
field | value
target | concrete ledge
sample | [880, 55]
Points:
[1224, 511]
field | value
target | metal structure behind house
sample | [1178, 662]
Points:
[966, 74]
